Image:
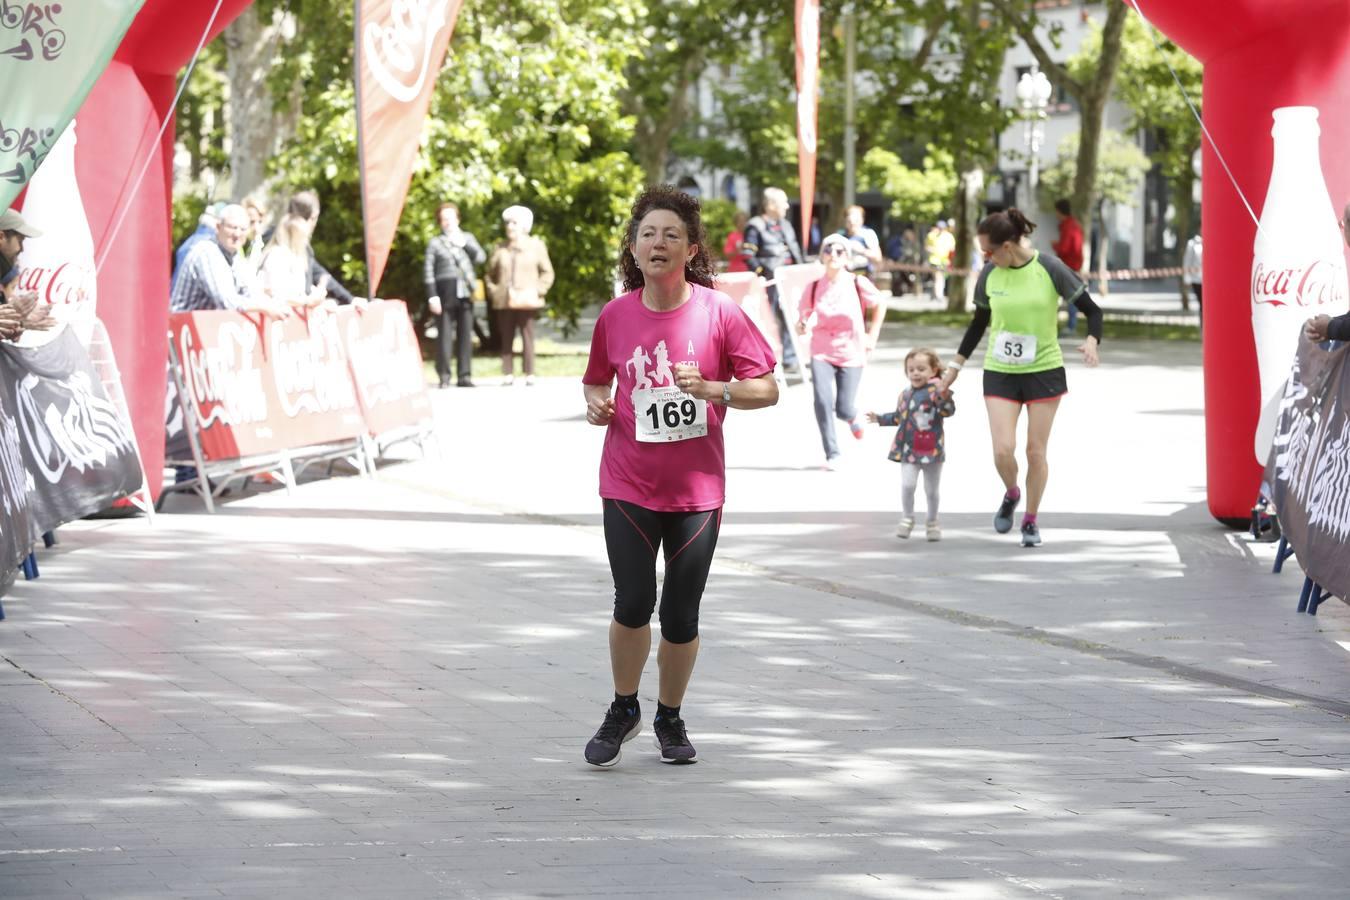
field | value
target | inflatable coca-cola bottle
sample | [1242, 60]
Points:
[1298, 262]
[59, 265]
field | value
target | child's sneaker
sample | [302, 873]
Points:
[905, 528]
[934, 531]
[856, 427]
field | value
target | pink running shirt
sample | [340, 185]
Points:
[839, 332]
[640, 348]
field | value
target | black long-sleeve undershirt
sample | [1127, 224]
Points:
[980, 321]
[1338, 329]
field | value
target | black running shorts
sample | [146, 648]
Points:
[1026, 387]
[633, 535]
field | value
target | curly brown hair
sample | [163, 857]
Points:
[666, 196]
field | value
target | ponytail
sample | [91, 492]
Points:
[1009, 225]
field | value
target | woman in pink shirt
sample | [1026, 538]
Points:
[668, 358]
[832, 309]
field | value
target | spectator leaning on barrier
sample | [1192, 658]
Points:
[283, 272]
[255, 242]
[770, 242]
[19, 310]
[306, 205]
[450, 280]
[864, 245]
[206, 230]
[1069, 248]
[14, 230]
[214, 274]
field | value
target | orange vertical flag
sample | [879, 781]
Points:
[400, 45]
[808, 82]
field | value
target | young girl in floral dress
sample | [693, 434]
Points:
[919, 446]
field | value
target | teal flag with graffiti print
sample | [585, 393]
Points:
[51, 54]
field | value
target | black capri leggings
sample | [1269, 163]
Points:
[632, 535]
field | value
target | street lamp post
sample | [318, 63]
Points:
[1033, 96]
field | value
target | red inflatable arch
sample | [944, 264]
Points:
[121, 118]
[1259, 55]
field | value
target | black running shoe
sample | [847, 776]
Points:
[672, 741]
[1003, 518]
[1031, 535]
[619, 726]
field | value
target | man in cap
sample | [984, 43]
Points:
[20, 311]
[14, 229]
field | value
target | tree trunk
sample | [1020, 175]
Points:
[1085, 172]
[1185, 216]
[256, 131]
[656, 128]
[969, 189]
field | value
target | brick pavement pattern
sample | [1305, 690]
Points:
[382, 687]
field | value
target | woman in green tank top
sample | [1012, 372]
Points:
[1018, 294]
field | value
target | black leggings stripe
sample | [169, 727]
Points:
[632, 535]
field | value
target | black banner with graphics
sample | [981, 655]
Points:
[78, 452]
[15, 531]
[1308, 473]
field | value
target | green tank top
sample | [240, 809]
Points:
[1023, 304]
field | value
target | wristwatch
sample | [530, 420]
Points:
[726, 393]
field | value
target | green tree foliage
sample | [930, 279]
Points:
[1156, 103]
[1121, 166]
[526, 110]
[917, 194]
[1088, 76]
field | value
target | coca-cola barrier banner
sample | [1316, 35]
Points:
[76, 454]
[1309, 466]
[260, 384]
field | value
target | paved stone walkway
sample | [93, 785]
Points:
[381, 687]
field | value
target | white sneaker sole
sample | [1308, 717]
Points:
[674, 762]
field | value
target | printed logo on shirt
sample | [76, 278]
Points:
[662, 412]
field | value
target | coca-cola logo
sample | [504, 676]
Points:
[398, 51]
[224, 381]
[311, 371]
[66, 284]
[1321, 282]
[381, 362]
[87, 434]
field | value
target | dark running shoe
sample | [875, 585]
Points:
[1003, 518]
[619, 726]
[672, 741]
[1031, 535]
